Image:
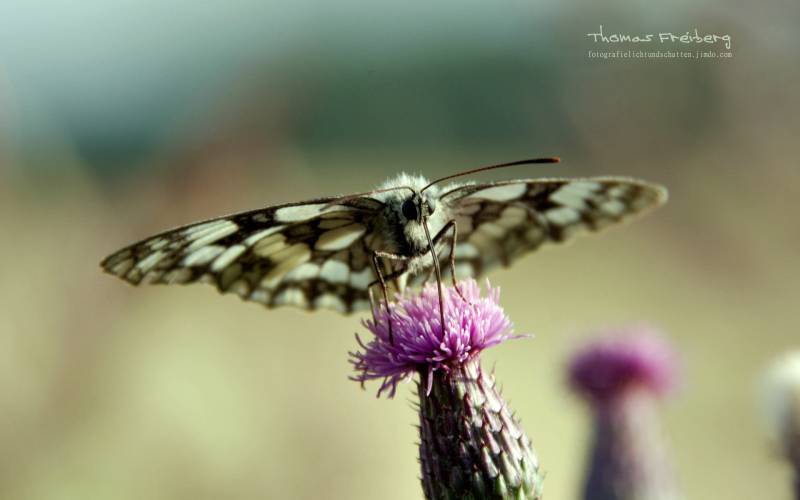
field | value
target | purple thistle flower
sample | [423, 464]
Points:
[419, 344]
[622, 376]
[471, 445]
[637, 358]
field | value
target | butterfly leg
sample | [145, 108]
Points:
[376, 264]
[451, 225]
[372, 301]
[437, 269]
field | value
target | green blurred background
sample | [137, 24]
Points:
[120, 119]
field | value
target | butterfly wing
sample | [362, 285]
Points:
[499, 222]
[311, 255]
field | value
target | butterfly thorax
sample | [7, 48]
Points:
[403, 232]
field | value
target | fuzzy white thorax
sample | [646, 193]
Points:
[412, 234]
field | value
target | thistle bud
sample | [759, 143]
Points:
[471, 445]
[782, 390]
[622, 377]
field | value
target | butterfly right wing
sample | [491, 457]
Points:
[309, 255]
[499, 222]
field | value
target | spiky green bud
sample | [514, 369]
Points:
[471, 445]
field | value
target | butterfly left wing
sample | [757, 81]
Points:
[499, 222]
[308, 255]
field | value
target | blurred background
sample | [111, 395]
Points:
[120, 119]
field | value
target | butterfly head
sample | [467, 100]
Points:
[417, 207]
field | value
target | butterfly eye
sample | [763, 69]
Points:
[410, 209]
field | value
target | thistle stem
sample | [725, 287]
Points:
[794, 457]
[471, 446]
[628, 459]
[797, 484]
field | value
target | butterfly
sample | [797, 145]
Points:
[330, 253]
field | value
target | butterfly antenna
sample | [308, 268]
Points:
[531, 161]
[351, 197]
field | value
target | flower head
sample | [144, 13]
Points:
[472, 323]
[636, 358]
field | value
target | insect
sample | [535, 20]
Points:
[330, 253]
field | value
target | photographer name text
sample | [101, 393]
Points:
[689, 37]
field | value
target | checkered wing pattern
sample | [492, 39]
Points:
[310, 255]
[499, 222]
